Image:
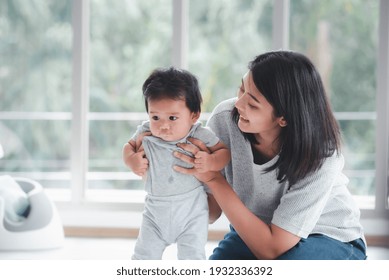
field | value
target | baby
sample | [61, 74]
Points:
[176, 207]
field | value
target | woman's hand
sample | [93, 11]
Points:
[138, 141]
[200, 149]
[134, 155]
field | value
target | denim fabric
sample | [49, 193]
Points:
[232, 247]
[321, 247]
[315, 247]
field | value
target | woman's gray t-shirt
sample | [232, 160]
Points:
[320, 203]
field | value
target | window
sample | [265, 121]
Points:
[223, 37]
[36, 90]
[71, 76]
[342, 40]
[127, 41]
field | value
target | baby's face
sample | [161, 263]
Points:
[170, 119]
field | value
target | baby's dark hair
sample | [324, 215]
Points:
[173, 83]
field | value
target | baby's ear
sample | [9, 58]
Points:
[195, 116]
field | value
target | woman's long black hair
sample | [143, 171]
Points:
[291, 84]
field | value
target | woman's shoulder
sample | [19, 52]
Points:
[225, 106]
[221, 114]
[335, 160]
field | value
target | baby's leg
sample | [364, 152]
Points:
[191, 242]
[150, 245]
[191, 245]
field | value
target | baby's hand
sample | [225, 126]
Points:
[204, 161]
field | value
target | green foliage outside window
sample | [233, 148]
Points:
[130, 38]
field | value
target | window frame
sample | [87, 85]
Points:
[378, 218]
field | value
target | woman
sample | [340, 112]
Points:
[283, 192]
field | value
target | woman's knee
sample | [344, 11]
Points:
[321, 247]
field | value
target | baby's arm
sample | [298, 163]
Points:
[134, 159]
[215, 161]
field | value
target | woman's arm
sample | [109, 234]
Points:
[266, 242]
[214, 209]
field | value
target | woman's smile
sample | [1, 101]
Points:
[243, 119]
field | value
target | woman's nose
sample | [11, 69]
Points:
[240, 102]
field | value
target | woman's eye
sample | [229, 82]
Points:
[252, 106]
[172, 118]
[155, 118]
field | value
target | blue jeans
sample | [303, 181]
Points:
[315, 247]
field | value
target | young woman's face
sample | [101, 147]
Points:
[255, 112]
[170, 119]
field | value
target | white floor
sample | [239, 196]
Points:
[91, 249]
[120, 249]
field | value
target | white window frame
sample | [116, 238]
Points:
[377, 220]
